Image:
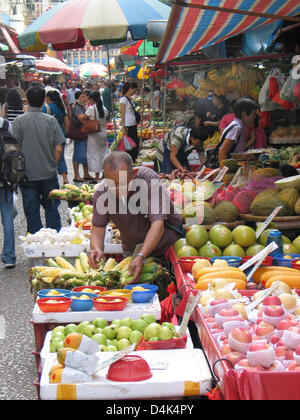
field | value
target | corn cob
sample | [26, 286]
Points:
[146, 278]
[122, 264]
[149, 268]
[78, 266]
[63, 263]
[47, 280]
[48, 272]
[71, 187]
[84, 262]
[51, 263]
[109, 265]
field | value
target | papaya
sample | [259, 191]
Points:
[56, 375]
[62, 354]
[227, 274]
[261, 270]
[204, 284]
[292, 281]
[214, 270]
[266, 276]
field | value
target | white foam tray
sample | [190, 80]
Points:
[132, 310]
[186, 374]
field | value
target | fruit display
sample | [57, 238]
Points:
[115, 336]
[286, 133]
[58, 272]
[51, 238]
[265, 339]
[220, 241]
[70, 192]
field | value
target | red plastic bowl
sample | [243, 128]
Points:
[268, 261]
[187, 263]
[129, 369]
[63, 305]
[110, 304]
[80, 288]
[294, 265]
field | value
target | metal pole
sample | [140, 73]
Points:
[165, 99]
[111, 94]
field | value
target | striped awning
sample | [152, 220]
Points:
[196, 24]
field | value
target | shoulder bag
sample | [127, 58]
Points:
[136, 113]
[91, 126]
[212, 158]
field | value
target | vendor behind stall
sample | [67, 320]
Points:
[137, 203]
[173, 150]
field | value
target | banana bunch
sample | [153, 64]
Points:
[60, 273]
[73, 193]
[212, 141]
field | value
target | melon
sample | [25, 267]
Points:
[265, 206]
[290, 182]
[205, 189]
[266, 173]
[289, 196]
[297, 207]
[209, 250]
[226, 212]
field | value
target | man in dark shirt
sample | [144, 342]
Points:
[147, 216]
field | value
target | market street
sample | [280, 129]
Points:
[18, 368]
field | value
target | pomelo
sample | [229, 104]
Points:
[289, 249]
[179, 244]
[244, 236]
[196, 236]
[234, 250]
[220, 236]
[209, 250]
[187, 251]
[254, 249]
[296, 244]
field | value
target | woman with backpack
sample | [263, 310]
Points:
[97, 142]
[129, 116]
[54, 106]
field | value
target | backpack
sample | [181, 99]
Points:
[212, 159]
[12, 161]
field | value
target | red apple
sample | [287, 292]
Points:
[274, 339]
[228, 312]
[294, 367]
[277, 366]
[285, 324]
[298, 350]
[241, 335]
[274, 311]
[272, 300]
[259, 346]
[244, 363]
[264, 328]
[280, 351]
[218, 302]
[294, 330]
[226, 349]
[234, 357]
[258, 338]
[289, 355]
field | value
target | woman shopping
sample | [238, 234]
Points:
[54, 106]
[129, 117]
[97, 142]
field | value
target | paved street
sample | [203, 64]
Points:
[18, 369]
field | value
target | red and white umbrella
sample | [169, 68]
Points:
[53, 65]
[92, 70]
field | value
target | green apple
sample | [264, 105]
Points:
[170, 326]
[165, 333]
[81, 326]
[115, 342]
[58, 334]
[61, 328]
[153, 339]
[135, 336]
[111, 348]
[126, 322]
[124, 332]
[56, 345]
[99, 330]
[116, 322]
[152, 330]
[70, 328]
[123, 344]
[149, 318]
[102, 347]
[139, 325]
[100, 323]
[110, 332]
[100, 338]
[90, 330]
[110, 342]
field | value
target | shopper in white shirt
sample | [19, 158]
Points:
[128, 119]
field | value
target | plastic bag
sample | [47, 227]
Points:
[272, 85]
[287, 91]
[174, 343]
[125, 144]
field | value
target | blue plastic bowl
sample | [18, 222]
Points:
[280, 261]
[62, 293]
[82, 305]
[232, 261]
[143, 296]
